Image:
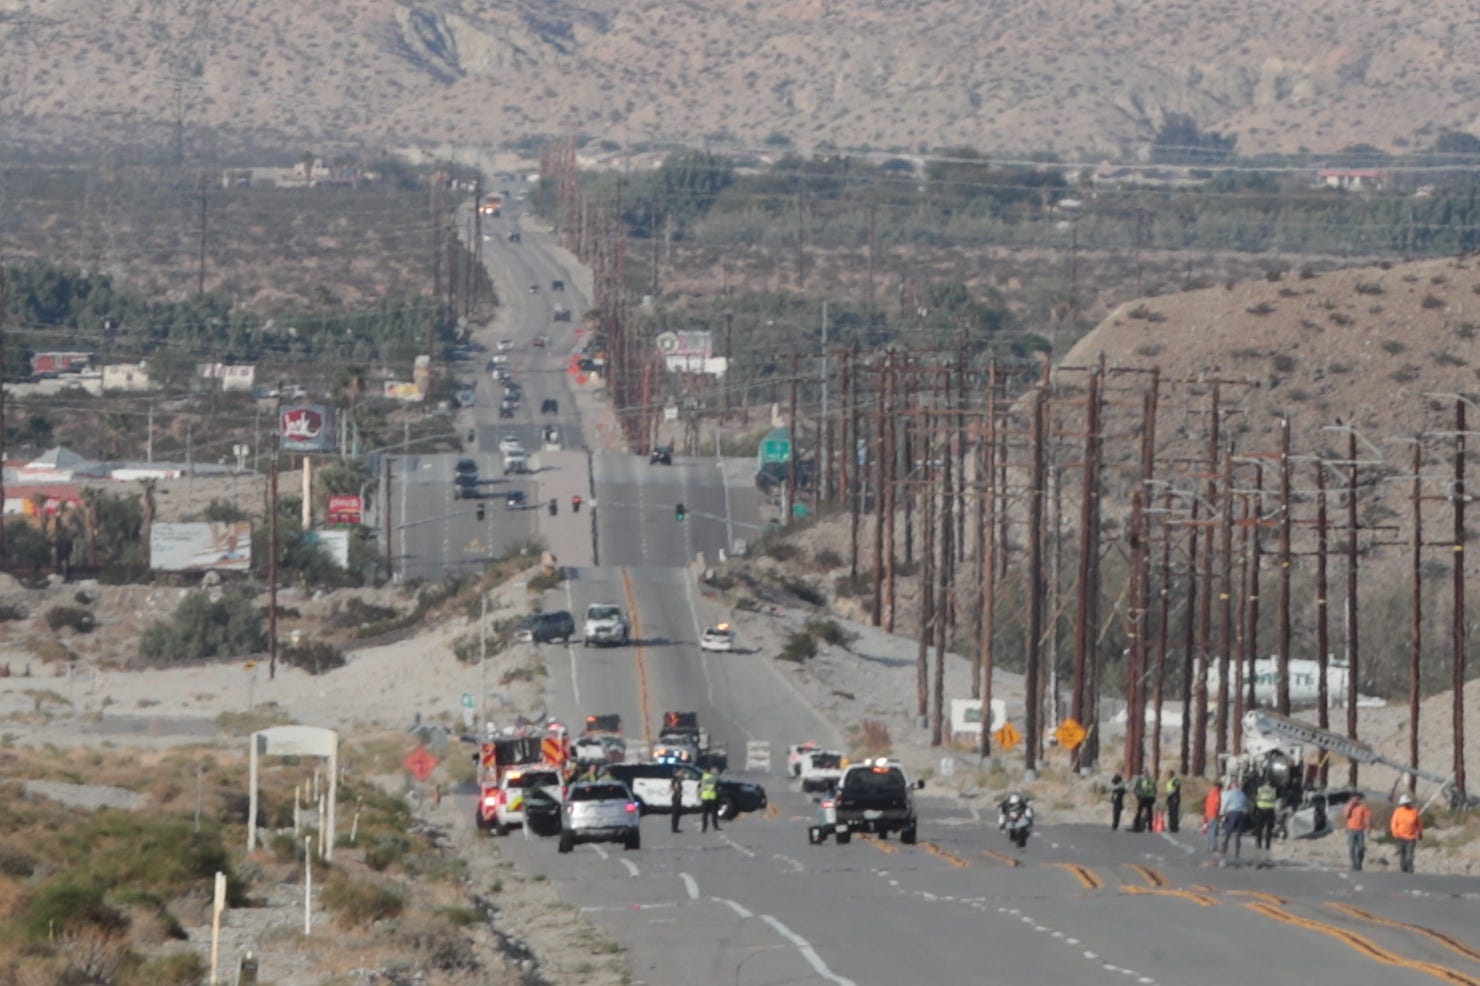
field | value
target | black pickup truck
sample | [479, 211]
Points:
[875, 797]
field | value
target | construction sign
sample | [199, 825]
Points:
[421, 762]
[1007, 737]
[1070, 734]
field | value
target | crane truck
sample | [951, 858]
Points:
[1274, 752]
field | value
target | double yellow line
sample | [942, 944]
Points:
[1083, 874]
[1368, 947]
[642, 685]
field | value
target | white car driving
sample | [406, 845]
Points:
[717, 638]
[510, 445]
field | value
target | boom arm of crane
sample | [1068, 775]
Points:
[1263, 724]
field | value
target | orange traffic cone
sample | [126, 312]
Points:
[1159, 822]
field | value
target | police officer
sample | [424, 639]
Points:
[709, 800]
[1145, 802]
[1174, 801]
[1117, 801]
[1265, 800]
[675, 791]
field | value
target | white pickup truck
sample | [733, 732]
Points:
[605, 625]
[822, 770]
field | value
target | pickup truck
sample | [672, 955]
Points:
[822, 770]
[875, 796]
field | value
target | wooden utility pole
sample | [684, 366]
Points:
[1458, 623]
[1135, 684]
[1163, 614]
[1323, 622]
[1195, 760]
[796, 441]
[891, 491]
[853, 468]
[1282, 672]
[1225, 613]
[200, 276]
[1085, 703]
[272, 565]
[1034, 584]
[947, 588]
[987, 567]
[927, 581]
[1353, 652]
[386, 509]
[3, 302]
[1194, 652]
[1415, 628]
[1251, 640]
[881, 497]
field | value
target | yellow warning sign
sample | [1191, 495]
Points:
[1007, 737]
[1070, 734]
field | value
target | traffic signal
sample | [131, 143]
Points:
[679, 513]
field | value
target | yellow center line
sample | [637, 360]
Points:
[1001, 857]
[1453, 944]
[1365, 945]
[1258, 895]
[948, 856]
[1083, 874]
[642, 688]
[879, 844]
[1152, 878]
[773, 810]
[1202, 900]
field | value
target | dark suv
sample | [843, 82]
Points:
[651, 784]
[542, 628]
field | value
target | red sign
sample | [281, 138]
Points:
[303, 429]
[345, 509]
[421, 762]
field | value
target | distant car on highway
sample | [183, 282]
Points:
[510, 444]
[515, 500]
[717, 638]
[550, 405]
[562, 314]
[542, 628]
[506, 410]
[504, 345]
[557, 285]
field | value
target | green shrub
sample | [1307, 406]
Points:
[74, 617]
[68, 904]
[10, 612]
[799, 647]
[778, 550]
[229, 627]
[830, 632]
[316, 657]
[545, 581]
[853, 586]
[357, 613]
[358, 903]
[175, 969]
[804, 591]
[386, 850]
[828, 559]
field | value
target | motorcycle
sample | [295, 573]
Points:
[1015, 817]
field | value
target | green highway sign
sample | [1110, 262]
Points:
[467, 700]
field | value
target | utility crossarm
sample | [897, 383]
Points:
[1273, 724]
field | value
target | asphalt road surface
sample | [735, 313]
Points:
[756, 904]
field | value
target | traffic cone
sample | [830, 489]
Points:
[1159, 822]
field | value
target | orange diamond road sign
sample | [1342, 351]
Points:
[421, 762]
[1007, 737]
[1070, 734]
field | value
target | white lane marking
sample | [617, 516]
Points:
[808, 952]
[1189, 850]
[738, 908]
[976, 816]
[738, 847]
[691, 885]
[570, 652]
[601, 852]
[631, 866]
[659, 906]
[795, 864]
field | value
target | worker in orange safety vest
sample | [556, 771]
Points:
[1406, 829]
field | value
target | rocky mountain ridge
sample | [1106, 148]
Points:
[1088, 80]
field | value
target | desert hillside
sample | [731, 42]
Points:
[1082, 79]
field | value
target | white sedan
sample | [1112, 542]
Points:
[510, 445]
[717, 638]
[504, 345]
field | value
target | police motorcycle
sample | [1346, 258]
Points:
[1015, 817]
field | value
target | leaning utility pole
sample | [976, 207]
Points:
[927, 583]
[1226, 628]
[1199, 711]
[880, 496]
[987, 566]
[1323, 613]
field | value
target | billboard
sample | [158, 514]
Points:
[306, 428]
[198, 546]
[345, 509]
[401, 391]
[335, 544]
